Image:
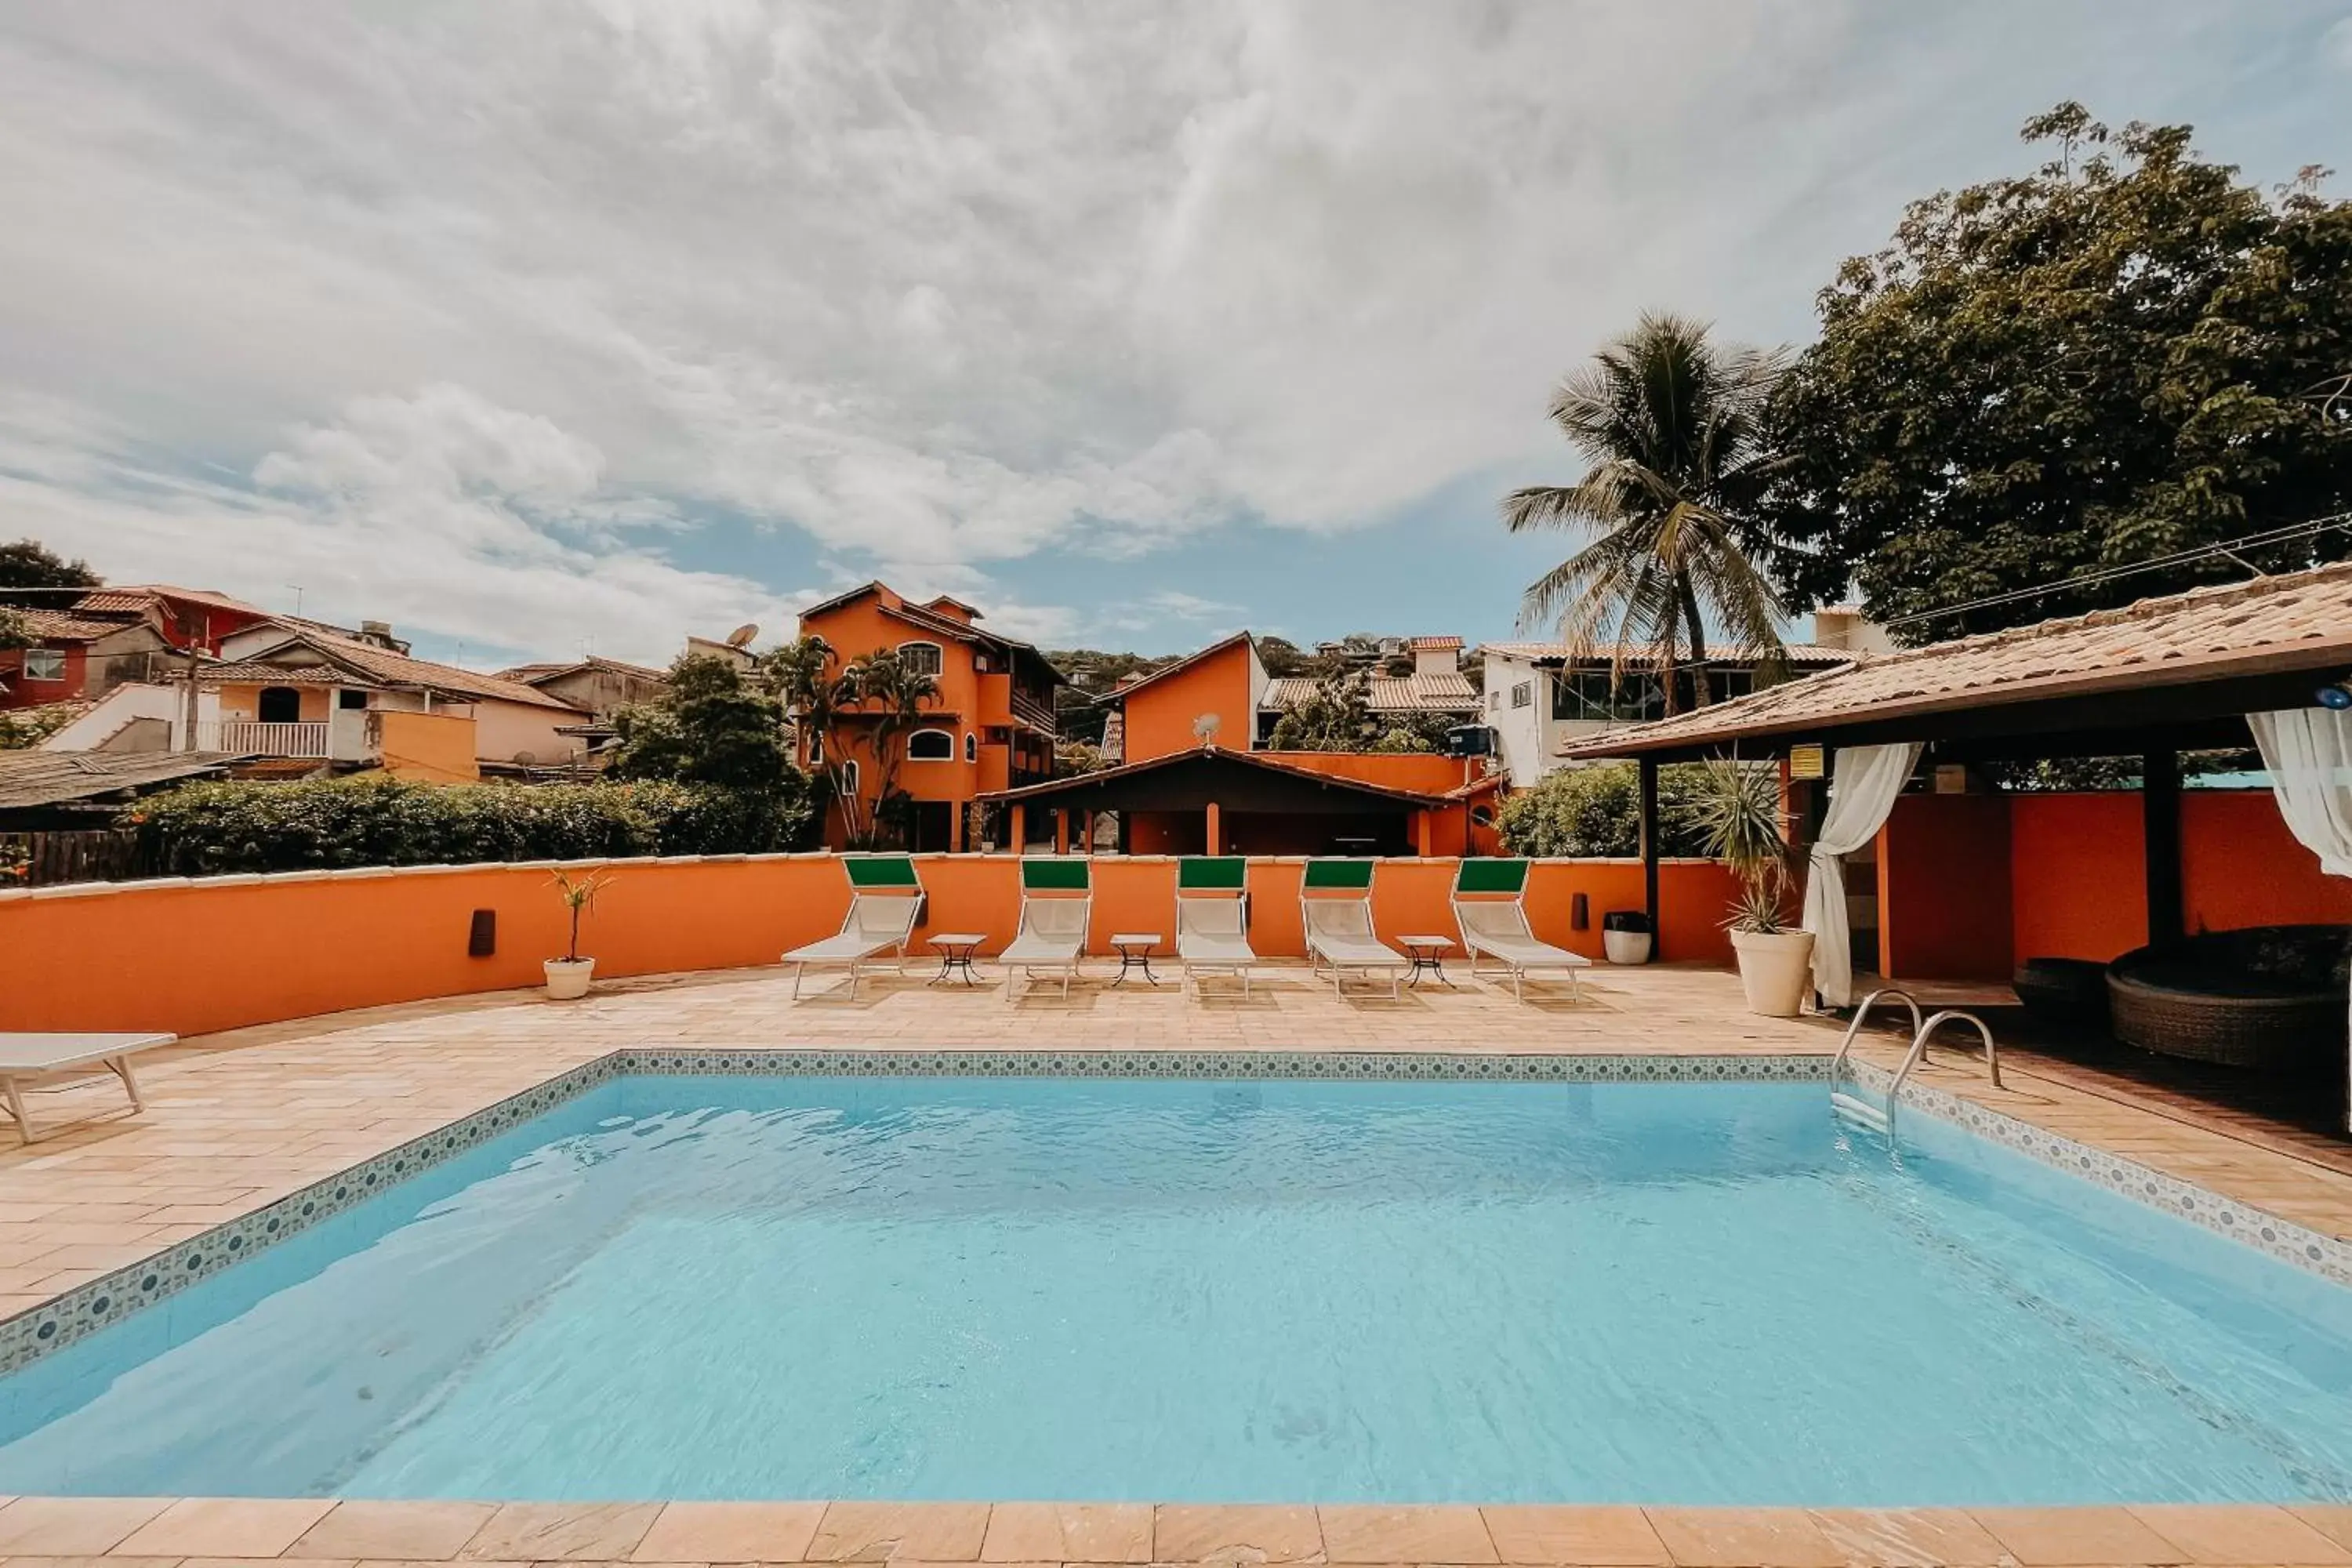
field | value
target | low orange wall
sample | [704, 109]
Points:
[431, 748]
[2241, 866]
[219, 953]
[1944, 895]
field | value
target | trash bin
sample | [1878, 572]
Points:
[1625, 936]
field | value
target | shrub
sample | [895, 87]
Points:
[212, 828]
[1597, 810]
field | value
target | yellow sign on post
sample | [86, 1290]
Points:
[1808, 761]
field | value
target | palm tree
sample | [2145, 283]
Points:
[1672, 428]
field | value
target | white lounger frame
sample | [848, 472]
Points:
[1340, 937]
[35, 1057]
[880, 921]
[1213, 935]
[1516, 948]
[1046, 941]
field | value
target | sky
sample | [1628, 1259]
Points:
[555, 326]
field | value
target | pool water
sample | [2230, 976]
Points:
[1008, 1288]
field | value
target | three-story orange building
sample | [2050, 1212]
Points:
[991, 727]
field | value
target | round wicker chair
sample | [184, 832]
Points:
[2269, 996]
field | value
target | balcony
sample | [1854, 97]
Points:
[248, 738]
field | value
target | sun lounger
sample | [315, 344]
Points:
[1212, 919]
[1056, 903]
[1490, 905]
[886, 899]
[34, 1056]
[1335, 907]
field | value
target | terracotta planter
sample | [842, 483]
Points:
[1776, 970]
[567, 978]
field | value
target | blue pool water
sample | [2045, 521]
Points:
[1000, 1287]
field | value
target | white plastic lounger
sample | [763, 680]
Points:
[1490, 905]
[1212, 919]
[1335, 907]
[24, 1057]
[1056, 903]
[886, 899]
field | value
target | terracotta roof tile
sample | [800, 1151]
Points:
[65, 626]
[1447, 693]
[1796, 653]
[2205, 633]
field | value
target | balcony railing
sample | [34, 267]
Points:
[248, 738]
[1038, 716]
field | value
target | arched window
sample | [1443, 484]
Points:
[279, 705]
[930, 746]
[970, 747]
[921, 657]
[1484, 817]
[849, 780]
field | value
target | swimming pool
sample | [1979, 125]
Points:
[799, 1286]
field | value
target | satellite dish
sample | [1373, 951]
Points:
[1205, 728]
[741, 636]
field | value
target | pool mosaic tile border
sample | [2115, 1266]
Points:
[2241, 1222]
[42, 1331]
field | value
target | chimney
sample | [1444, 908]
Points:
[1847, 626]
[376, 632]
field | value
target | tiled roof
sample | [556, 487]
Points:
[1135, 683]
[1340, 781]
[139, 597]
[1445, 693]
[64, 625]
[400, 669]
[1433, 645]
[1798, 653]
[2268, 625]
[532, 674]
[254, 671]
[48, 778]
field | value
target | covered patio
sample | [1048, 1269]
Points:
[1949, 868]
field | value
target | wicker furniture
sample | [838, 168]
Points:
[2064, 990]
[2270, 997]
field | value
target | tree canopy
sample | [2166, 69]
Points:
[30, 563]
[1337, 717]
[2124, 354]
[712, 727]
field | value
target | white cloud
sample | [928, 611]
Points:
[943, 285]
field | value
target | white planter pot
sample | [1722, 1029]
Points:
[567, 978]
[1626, 946]
[1776, 970]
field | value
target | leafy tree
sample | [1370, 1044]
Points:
[2122, 354]
[1337, 717]
[1670, 426]
[1283, 657]
[821, 695]
[711, 727]
[892, 694]
[1092, 675]
[1072, 758]
[1597, 812]
[28, 563]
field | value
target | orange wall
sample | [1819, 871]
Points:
[436, 748]
[213, 954]
[2077, 874]
[2241, 866]
[1944, 896]
[1160, 716]
[1422, 773]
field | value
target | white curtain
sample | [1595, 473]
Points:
[1863, 782]
[2308, 755]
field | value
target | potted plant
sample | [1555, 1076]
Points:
[1736, 813]
[1625, 936]
[567, 977]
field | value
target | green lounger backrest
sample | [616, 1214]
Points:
[1054, 874]
[1354, 875]
[882, 873]
[1491, 876]
[1211, 874]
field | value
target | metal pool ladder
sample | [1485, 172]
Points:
[1881, 1119]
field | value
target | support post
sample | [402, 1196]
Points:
[1649, 776]
[1215, 837]
[1018, 830]
[2161, 816]
[1062, 830]
[957, 811]
[1421, 838]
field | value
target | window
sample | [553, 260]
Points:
[349, 699]
[279, 705]
[849, 780]
[1482, 815]
[970, 747]
[921, 657]
[930, 746]
[1523, 694]
[45, 664]
[1591, 694]
[1494, 701]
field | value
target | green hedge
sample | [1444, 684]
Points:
[1597, 810]
[213, 829]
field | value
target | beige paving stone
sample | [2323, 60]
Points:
[921, 1531]
[1371, 1534]
[1069, 1532]
[2243, 1534]
[73, 1526]
[225, 1527]
[1743, 1538]
[1910, 1538]
[2332, 1521]
[2071, 1537]
[731, 1532]
[1200, 1532]
[538, 1531]
[419, 1531]
[1612, 1537]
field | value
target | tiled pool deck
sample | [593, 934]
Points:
[240, 1119]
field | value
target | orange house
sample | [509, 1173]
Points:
[991, 727]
